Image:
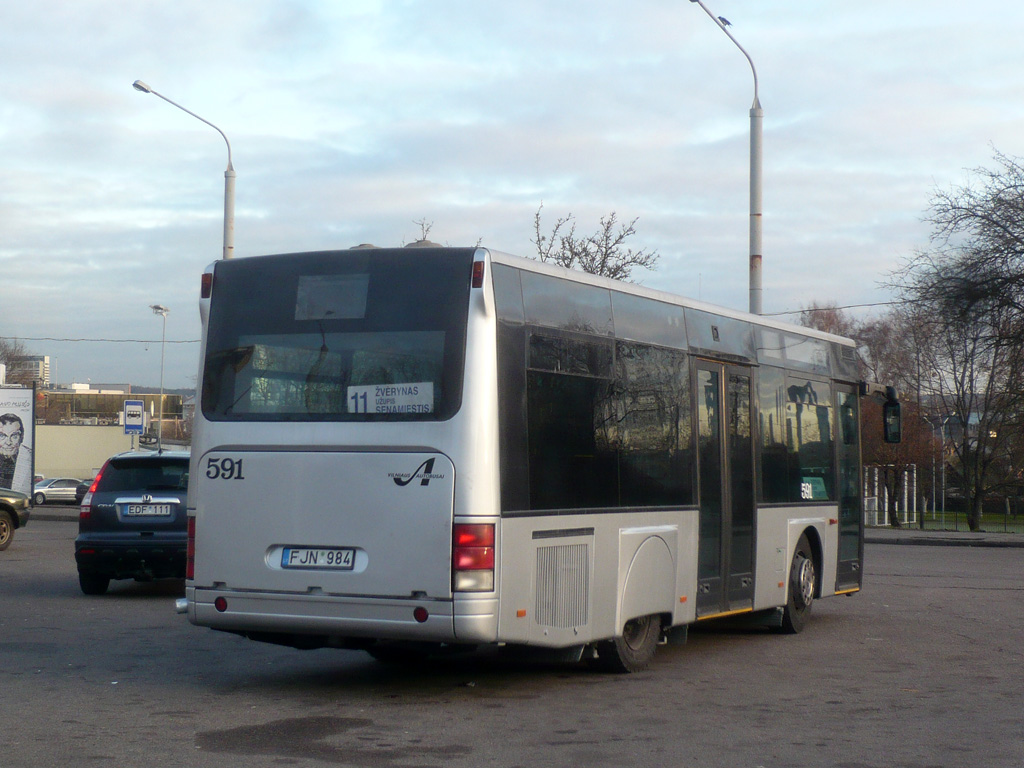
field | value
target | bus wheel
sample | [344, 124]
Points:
[634, 650]
[803, 583]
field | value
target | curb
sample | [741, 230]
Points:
[51, 516]
[938, 541]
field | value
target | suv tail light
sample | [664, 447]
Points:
[85, 511]
[190, 552]
[473, 557]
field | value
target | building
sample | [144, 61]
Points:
[28, 370]
[81, 404]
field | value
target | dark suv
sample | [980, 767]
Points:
[132, 524]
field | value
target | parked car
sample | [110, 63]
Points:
[55, 490]
[132, 524]
[14, 513]
[81, 489]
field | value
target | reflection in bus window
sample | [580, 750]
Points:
[774, 451]
[809, 438]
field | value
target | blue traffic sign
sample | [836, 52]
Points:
[134, 417]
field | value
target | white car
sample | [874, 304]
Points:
[55, 490]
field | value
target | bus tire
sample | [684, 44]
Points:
[803, 585]
[634, 650]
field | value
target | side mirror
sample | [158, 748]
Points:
[892, 422]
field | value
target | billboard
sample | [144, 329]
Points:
[17, 438]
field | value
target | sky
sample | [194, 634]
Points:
[351, 121]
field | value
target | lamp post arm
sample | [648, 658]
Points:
[204, 120]
[721, 26]
[229, 173]
[756, 163]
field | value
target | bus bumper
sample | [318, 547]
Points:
[336, 618]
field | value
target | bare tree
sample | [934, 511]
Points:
[10, 350]
[976, 264]
[969, 288]
[602, 253]
[974, 267]
[425, 227]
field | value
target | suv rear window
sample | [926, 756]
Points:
[144, 475]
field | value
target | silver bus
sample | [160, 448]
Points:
[410, 449]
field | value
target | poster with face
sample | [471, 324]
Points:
[17, 438]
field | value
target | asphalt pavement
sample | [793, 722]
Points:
[873, 535]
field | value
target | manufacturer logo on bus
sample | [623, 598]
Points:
[424, 473]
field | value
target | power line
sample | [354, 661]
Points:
[108, 341]
[828, 309]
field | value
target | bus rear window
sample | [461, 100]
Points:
[372, 335]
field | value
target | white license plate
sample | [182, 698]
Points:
[306, 557]
[148, 510]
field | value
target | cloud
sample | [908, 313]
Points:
[350, 121]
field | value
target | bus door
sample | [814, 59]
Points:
[851, 522]
[725, 569]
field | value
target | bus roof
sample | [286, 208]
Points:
[534, 265]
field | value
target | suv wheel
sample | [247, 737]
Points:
[6, 529]
[93, 583]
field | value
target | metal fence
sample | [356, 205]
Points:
[952, 518]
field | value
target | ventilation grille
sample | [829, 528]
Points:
[563, 585]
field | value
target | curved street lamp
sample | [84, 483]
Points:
[756, 119]
[229, 174]
[161, 310]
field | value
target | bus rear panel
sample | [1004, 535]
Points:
[331, 430]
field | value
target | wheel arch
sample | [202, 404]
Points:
[649, 584]
[817, 553]
[11, 513]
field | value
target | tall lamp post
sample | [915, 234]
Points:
[229, 174]
[756, 119]
[161, 310]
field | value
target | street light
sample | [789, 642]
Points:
[756, 119]
[162, 311]
[229, 174]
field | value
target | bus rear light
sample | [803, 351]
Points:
[190, 551]
[475, 535]
[473, 557]
[206, 285]
[478, 274]
[221, 604]
[473, 581]
[420, 614]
